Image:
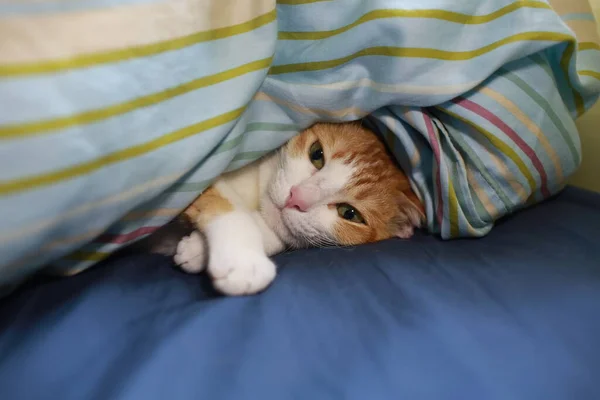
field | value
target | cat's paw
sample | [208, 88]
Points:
[190, 255]
[241, 272]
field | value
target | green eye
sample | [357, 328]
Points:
[316, 155]
[350, 213]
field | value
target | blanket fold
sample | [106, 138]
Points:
[114, 115]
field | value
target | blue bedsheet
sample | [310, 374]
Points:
[513, 316]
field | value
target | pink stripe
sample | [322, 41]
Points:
[437, 154]
[126, 237]
[514, 136]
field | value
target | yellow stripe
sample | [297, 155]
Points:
[453, 210]
[417, 52]
[408, 116]
[589, 46]
[482, 194]
[500, 145]
[93, 59]
[393, 125]
[20, 185]
[81, 255]
[31, 257]
[35, 37]
[91, 116]
[443, 15]
[565, 63]
[531, 126]
[453, 206]
[501, 170]
[54, 220]
[299, 2]
[593, 74]
[78, 238]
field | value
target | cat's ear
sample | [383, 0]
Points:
[411, 215]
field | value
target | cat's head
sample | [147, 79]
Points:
[337, 184]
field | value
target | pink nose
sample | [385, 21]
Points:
[301, 198]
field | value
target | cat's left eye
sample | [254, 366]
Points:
[350, 213]
[316, 155]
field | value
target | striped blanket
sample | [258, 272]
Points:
[115, 114]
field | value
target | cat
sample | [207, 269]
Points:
[333, 184]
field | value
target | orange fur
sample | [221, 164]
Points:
[207, 206]
[379, 190]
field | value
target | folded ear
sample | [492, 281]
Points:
[411, 215]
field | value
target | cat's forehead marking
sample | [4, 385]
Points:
[339, 141]
[368, 164]
[342, 156]
[336, 175]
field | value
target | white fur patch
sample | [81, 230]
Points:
[242, 272]
[190, 255]
[237, 260]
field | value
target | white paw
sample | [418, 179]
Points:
[190, 255]
[241, 272]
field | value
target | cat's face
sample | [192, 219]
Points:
[336, 184]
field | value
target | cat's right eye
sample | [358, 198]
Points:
[350, 213]
[316, 155]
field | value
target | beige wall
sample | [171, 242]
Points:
[588, 175]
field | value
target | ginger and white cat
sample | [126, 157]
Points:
[333, 184]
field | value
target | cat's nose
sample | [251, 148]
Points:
[301, 198]
[296, 200]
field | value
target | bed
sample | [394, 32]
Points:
[105, 138]
[515, 315]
